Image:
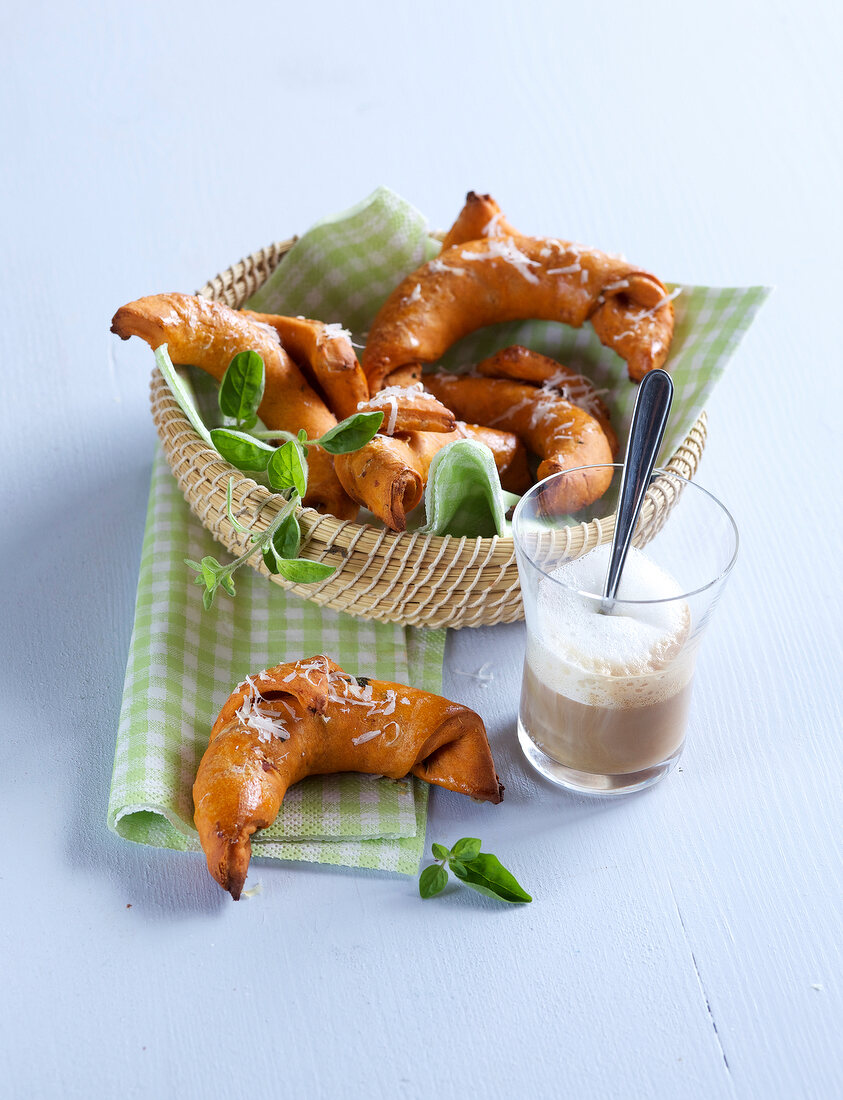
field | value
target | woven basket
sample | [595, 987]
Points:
[419, 580]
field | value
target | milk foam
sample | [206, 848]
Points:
[631, 657]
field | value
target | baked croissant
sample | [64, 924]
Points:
[309, 717]
[563, 435]
[207, 334]
[326, 356]
[481, 282]
[388, 475]
[524, 365]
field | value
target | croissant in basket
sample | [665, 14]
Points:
[473, 283]
[563, 435]
[388, 475]
[326, 356]
[521, 364]
[208, 335]
[309, 717]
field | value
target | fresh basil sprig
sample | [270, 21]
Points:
[278, 545]
[479, 870]
[240, 395]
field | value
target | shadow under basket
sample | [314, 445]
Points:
[415, 579]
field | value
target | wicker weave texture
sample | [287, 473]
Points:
[420, 580]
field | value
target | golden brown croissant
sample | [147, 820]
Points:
[482, 282]
[309, 717]
[325, 354]
[388, 475]
[563, 435]
[208, 335]
[523, 365]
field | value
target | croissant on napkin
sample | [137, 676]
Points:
[309, 717]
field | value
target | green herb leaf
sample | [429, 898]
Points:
[351, 434]
[210, 568]
[440, 851]
[433, 880]
[486, 874]
[287, 468]
[302, 571]
[302, 435]
[241, 389]
[284, 544]
[466, 849]
[241, 450]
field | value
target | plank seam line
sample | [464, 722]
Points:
[701, 984]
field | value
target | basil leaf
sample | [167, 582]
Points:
[440, 851]
[208, 598]
[241, 450]
[466, 849]
[287, 468]
[302, 571]
[241, 389]
[351, 434]
[210, 567]
[488, 876]
[285, 543]
[432, 880]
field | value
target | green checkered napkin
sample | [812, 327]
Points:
[183, 663]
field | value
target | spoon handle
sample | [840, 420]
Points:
[649, 419]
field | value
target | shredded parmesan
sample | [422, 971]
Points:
[621, 284]
[654, 309]
[493, 228]
[505, 248]
[364, 737]
[439, 266]
[333, 332]
[393, 415]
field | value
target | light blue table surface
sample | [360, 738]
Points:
[682, 943]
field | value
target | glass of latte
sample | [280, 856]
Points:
[607, 688]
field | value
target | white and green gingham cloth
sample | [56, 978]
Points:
[183, 662]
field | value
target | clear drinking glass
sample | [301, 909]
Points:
[605, 696]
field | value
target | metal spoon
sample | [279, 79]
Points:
[649, 419]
